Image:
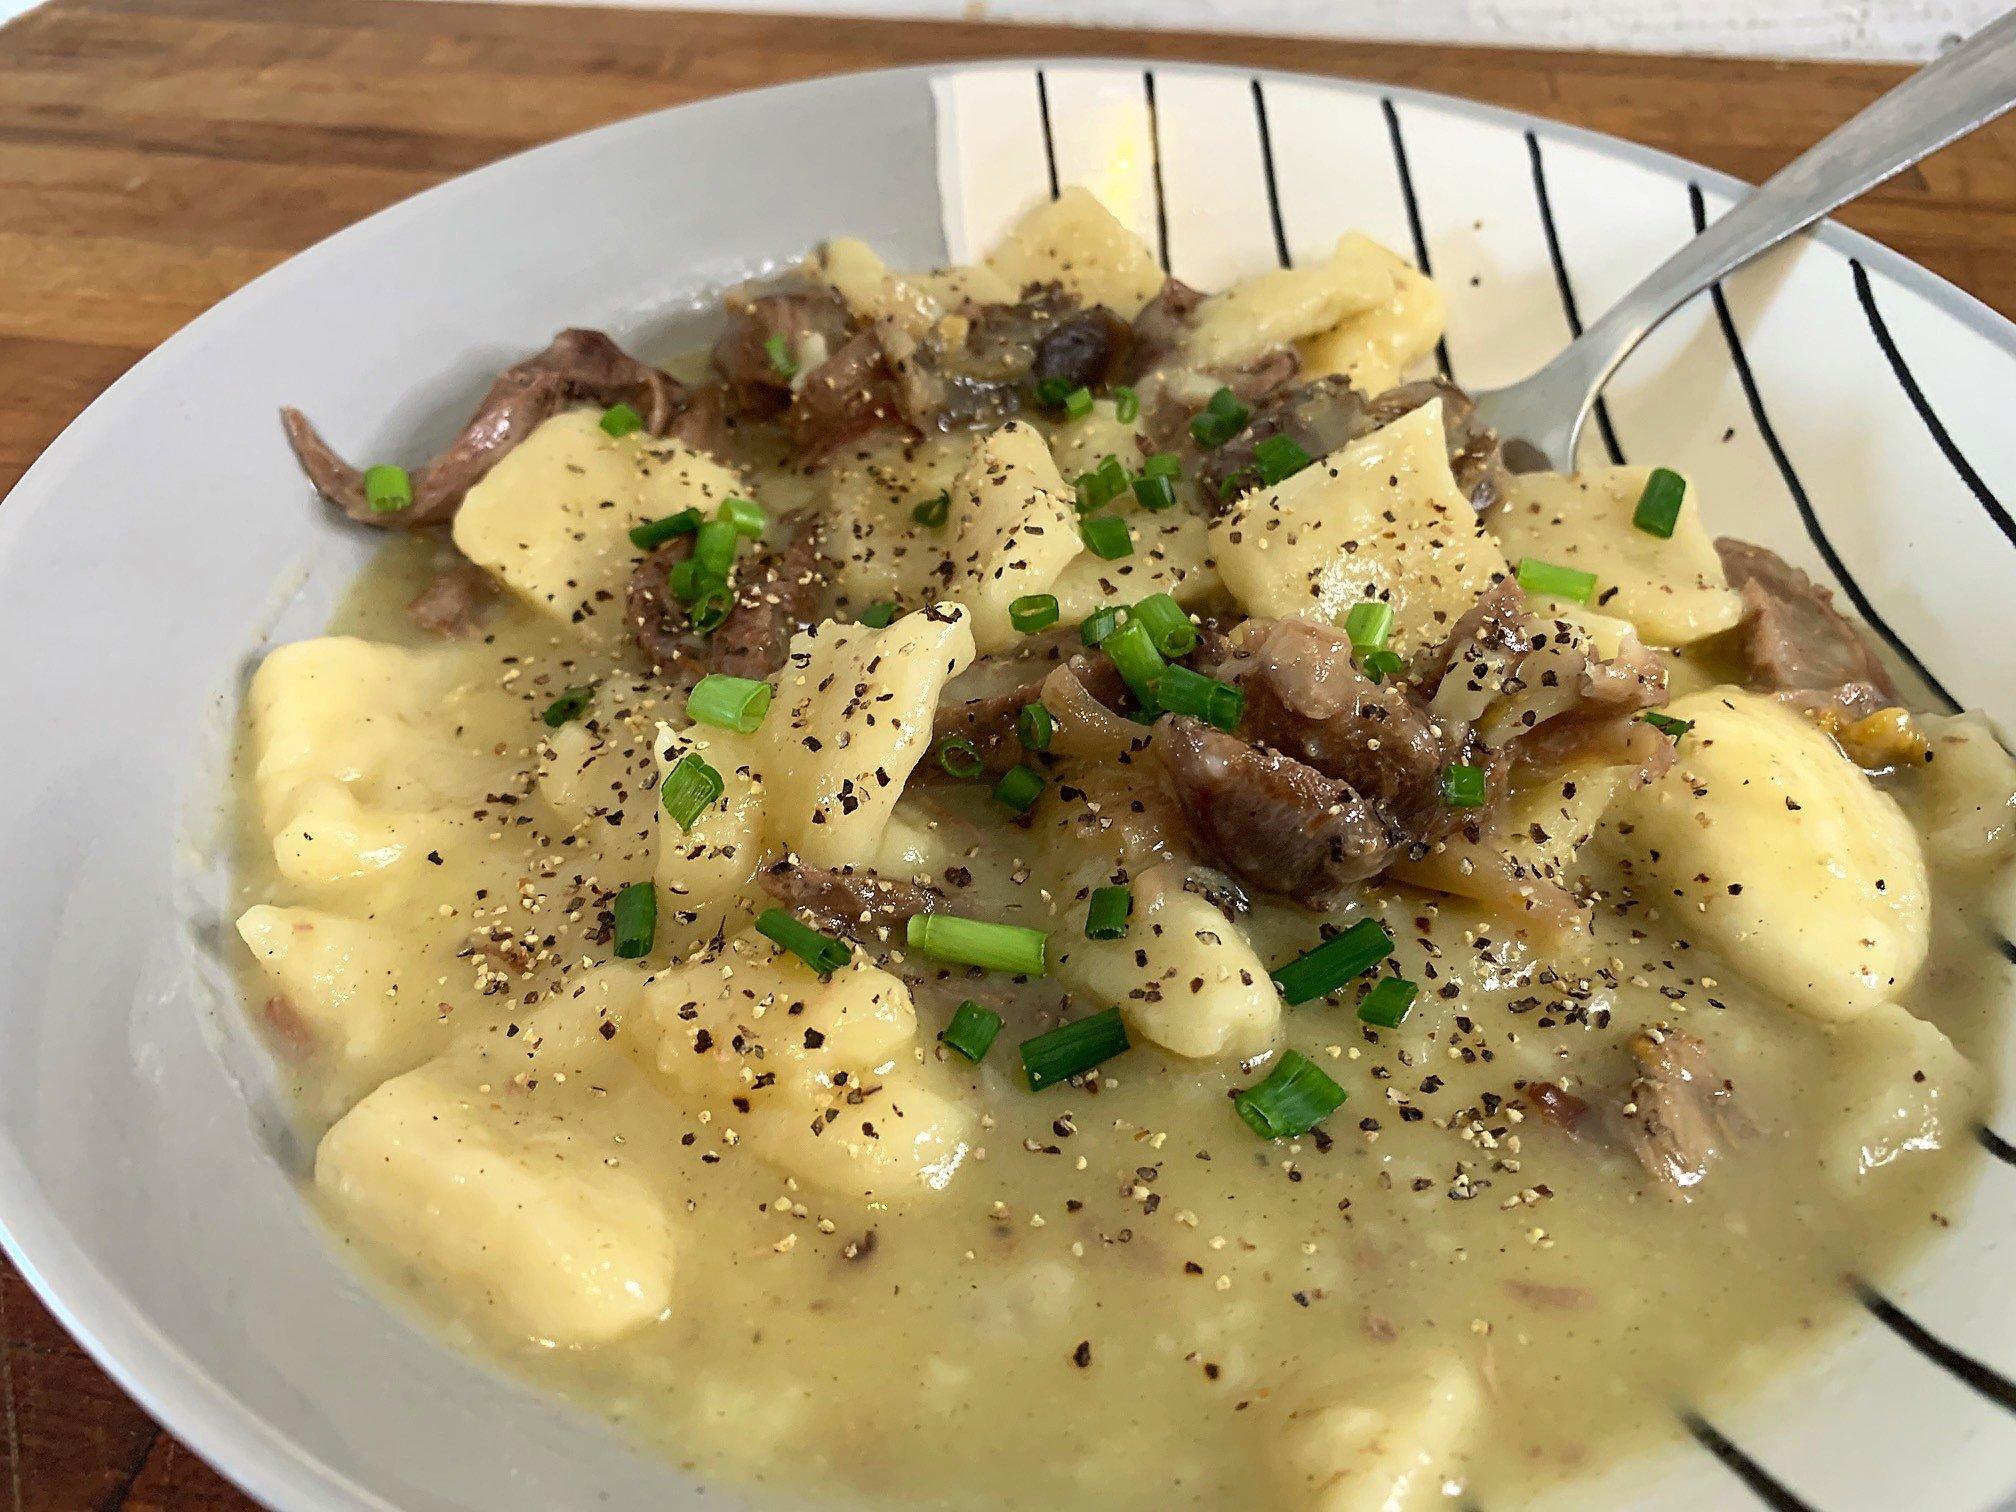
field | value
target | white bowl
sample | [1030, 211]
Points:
[1843, 406]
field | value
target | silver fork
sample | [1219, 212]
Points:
[1943, 101]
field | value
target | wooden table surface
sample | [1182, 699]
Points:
[156, 154]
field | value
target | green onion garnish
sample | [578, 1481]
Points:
[1051, 392]
[1019, 788]
[621, 420]
[1556, 581]
[1097, 625]
[1369, 625]
[711, 605]
[1033, 611]
[746, 515]
[1380, 665]
[1072, 1049]
[1078, 403]
[1279, 457]
[975, 942]
[879, 616]
[686, 580]
[1463, 786]
[636, 909]
[1133, 652]
[728, 703]
[1388, 1003]
[1320, 972]
[567, 706]
[934, 511]
[1034, 727]
[657, 532]
[714, 548]
[1163, 465]
[972, 1030]
[1220, 420]
[1156, 494]
[1666, 724]
[1102, 485]
[780, 357]
[1167, 625]
[1107, 914]
[960, 757]
[1297, 1095]
[387, 489]
[1126, 406]
[689, 790]
[1181, 691]
[1659, 506]
[822, 953]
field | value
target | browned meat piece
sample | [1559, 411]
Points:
[658, 621]
[453, 600]
[1679, 1115]
[849, 395]
[580, 367]
[989, 722]
[813, 323]
[1558, 1106]
[1795, 642]
[1162, 327]
[774, 600]
[1083, 348]
[848, 901]
[1275, 822]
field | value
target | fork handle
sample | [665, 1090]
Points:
[1965, 89]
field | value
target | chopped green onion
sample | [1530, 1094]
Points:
[1320, 972]
[1033, 611]
[636, 909]
[1034, 727]
[387, 489]
[1463, 786]
[728, 703]
[1078, 403]
[1134, 653]
[621, 420]
[1102, 485]
[1279, 457]
[1156, 494]
[746, 515]
[960, 757]
[1019, 788]
[1167, 625]
[1659, 506]
[1297, 1095]
[689, 790]
[1388, 1003]
[975, 942]
[1380, 665]
[1666, 724]
[1051, 392]
[822, 953]
[1126, 406]
[1072, 1049]
[1369, 625]
[780, 357]
[934, 511]
[1107, 914]
[714, 548]
[567, 706]
[1181, 691]
[657, 532]
[1220, 420]
[879, 616]
[1107, 537]
[711, 605]
[1556, 581]
[1097, 625]
[687, 580]
[1163, 465]
[972, 1030]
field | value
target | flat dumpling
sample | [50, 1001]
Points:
[1898, 1087]
[1387, 1442]
[821, 1077]
[332, 845]
[1376, 348]
[852, 717]
[1966, 791]
[879, 551]
[1776, 849]
[1277, 308]
[1380, 519]
[1012, 530]
[1671, 590]
[1073, 240]
[552, 520]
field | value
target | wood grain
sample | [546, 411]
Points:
[156, 154]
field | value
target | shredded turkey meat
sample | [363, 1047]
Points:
[776, 596]
[847, 901]
[453, 601]
[1796, 644]
[1680, 1114]
[805, 323]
